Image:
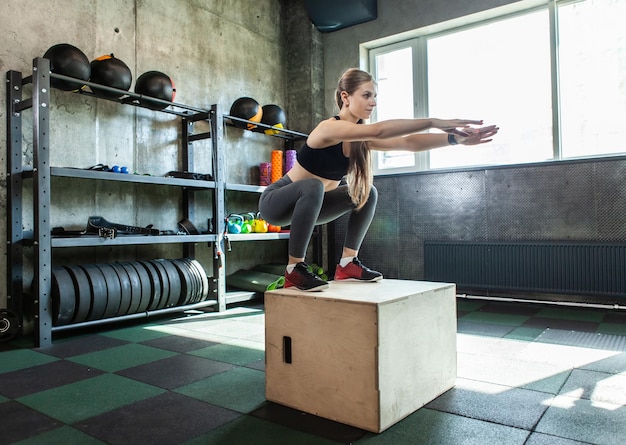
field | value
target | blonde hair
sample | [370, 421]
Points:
[360, 176]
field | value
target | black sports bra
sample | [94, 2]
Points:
[328, 162]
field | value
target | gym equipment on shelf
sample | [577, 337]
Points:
[246, 108]
[274, 116]
[110, 71]
[67, 60]
[9, 324]
[155, 84]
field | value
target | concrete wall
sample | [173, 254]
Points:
[341, 48]
[214, 50]
[501, 203]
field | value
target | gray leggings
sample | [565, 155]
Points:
[304, 204]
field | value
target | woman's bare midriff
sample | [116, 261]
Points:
[298, 172]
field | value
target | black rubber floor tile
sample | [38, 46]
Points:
[518, 408]
[165, 419]
[553, 323]
[18, 422]
[81, 345]
[177, 371]
[510, 308]
[40, 378]
[546, 439]
[615, 317]
[489, 330]
[178, 343]
[308, 423]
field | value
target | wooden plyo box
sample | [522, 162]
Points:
[363, 354]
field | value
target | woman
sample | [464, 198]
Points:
[311, 193]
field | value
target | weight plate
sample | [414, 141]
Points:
[135, 287]
[9, 324]
[114, 290]
[98, 288]
[146, 286]
[195, 279]
[185, 282]
[174, 278]
[204, 278]
[63, 297]
[155, 294]
[82, 289]
[165, 283]
[176, 286]
[125, 286]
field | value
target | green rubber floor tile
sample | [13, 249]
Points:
[427, 426]
[250, 430]
[236, 354]
[526, 334]
[136, 333]
[21, 359]
[468, 306]
[61, 436]
[571, 314]
[492, 318]
[122, 357]
[81, 400]
[612, 328]
[241, 389]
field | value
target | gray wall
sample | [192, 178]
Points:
[217, 51]
[214, 50]
[569, 201]
[341, 48]
[564, 201]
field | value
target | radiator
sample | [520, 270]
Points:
[547, 267]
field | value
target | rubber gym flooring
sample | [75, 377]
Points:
[527, 374]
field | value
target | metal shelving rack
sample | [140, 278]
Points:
[289, 137]
[40, 173]
[40, 239]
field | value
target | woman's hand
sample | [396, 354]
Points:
[475, 136]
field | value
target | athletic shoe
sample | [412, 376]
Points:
[303, 279]
[356, 271]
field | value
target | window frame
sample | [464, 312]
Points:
[418, 40]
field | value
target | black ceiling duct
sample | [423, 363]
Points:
[333, 15]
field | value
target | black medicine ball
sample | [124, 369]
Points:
[111, 72]
[155, 84]
[246, 108]
[275, 116]
[69, 61]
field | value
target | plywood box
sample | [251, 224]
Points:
[363, 354]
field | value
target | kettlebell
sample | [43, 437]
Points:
[234, 223]
[259, 225]
[273, 228]
[248, 220]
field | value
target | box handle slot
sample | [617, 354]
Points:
[287, 349]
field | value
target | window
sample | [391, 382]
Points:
[505, 71]
[395, 98]
[592, 77]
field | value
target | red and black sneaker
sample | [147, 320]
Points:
[304, 279]
[356, 271]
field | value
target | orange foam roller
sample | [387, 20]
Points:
[277, 165]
